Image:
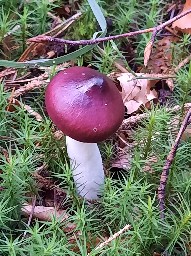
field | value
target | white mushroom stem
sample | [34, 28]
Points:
[87, 168]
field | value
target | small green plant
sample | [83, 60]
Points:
[6, 24]
[24, 20]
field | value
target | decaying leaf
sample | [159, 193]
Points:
[170, 83]
[44, 213]
[147, 52]
[123, 160]
[184, 24]
[136, 91]
[47, 213]
[160, 61]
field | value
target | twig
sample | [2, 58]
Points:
[31, 214]
[134, 120]
[169, 160]
[40, 39]
[14, 102]
[111, 238]
[36, 83]
[31, 112]
[54, 32]
[182, 63]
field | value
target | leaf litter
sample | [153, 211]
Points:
[139, 91]
[184, 24]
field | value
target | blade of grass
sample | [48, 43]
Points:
[47, 62]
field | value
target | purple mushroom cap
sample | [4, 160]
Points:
[84, 104]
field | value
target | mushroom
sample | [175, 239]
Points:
[87, 107]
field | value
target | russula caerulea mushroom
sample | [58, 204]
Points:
[87, 107]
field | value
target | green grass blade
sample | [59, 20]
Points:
[47, 62]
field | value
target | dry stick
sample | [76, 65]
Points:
[40, 39]
[182, 63]
[33, 84]
[111, 238]
[169, 160]
[28, 108]
[134, 120]
[53, 32]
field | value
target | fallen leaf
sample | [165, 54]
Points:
[184, 24]
[44, 213]
[160, 61]
[123, 160]
[170, 83]
[136, 91]
[147, 52]
[47, 213]
[58, 135]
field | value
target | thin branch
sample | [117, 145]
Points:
[40, 39]
[182, 63]
[111, 238]
[33, 84]
[134, 120]
[168, 163]
[31, 111]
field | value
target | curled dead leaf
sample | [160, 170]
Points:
[123, 160]
[170, 83]
[184, 24]
[147, 52]
[44, 213]
[136, 91]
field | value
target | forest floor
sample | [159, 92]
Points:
[145, 208]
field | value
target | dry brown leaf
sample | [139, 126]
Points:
[160, 61]
[123, 160]
[58, 135]
[136, 92]
[47, 213]
[170, 83]
[44, 213]
[147, 52]
[184, 24]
